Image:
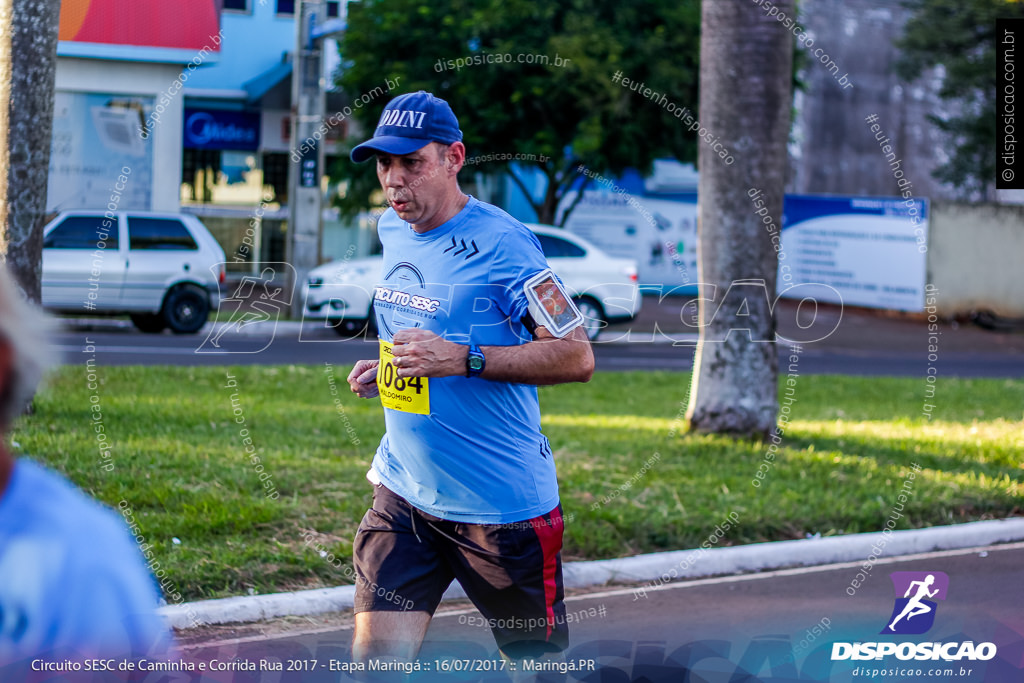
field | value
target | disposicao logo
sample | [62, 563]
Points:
[913, 613]
[916, 593]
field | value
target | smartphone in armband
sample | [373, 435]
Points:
[550, 306]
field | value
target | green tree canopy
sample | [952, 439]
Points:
[960, 36]
[563, 107]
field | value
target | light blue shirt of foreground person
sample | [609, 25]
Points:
[72, 580]
[474, 451]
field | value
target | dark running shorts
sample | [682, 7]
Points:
[405, 559]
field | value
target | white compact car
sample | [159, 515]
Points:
[162, 269]
[603, 287]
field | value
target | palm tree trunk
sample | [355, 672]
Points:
[745, 101]
[28, 63]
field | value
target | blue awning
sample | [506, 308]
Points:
[266, 81]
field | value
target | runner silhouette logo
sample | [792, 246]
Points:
[916, 596]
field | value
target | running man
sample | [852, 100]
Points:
[465, 484]
[914, 606]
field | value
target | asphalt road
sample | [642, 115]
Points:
[119, 344]
[770, 627]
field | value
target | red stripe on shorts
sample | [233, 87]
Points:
[550, 536]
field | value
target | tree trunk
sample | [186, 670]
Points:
[552, 197]
[554, 192]
[28, 63]
[745, 100]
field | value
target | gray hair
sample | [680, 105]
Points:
[27, 329]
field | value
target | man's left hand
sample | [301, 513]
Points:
[419, 353]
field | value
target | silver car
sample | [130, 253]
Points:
[603, 287]
[162, 269]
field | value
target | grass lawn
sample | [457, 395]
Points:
[632, 480]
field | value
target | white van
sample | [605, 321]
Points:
[162, 269]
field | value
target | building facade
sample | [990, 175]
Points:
[117, 105]
[236, 143]
[192, 101]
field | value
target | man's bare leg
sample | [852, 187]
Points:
[389, 634]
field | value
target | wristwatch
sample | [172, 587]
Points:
[475, 361]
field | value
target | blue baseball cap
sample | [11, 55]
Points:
[410, 122]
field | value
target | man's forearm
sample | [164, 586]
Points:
[546, 360]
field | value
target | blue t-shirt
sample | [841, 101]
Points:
[72, 580]
[478, 455]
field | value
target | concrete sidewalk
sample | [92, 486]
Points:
[647, 572]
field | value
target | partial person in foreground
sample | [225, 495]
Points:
[471, 320]
[73, 585]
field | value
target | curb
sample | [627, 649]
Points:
[660, 567]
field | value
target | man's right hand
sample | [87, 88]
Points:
[363, 378]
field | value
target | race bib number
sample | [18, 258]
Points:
[408, 394]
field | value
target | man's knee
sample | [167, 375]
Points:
[389, 634]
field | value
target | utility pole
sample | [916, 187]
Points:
[28, 65]
[305, 196]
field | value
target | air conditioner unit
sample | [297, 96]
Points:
[118, 130]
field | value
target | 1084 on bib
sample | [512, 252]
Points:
[408, 394]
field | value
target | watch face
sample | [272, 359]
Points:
[476, 363]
